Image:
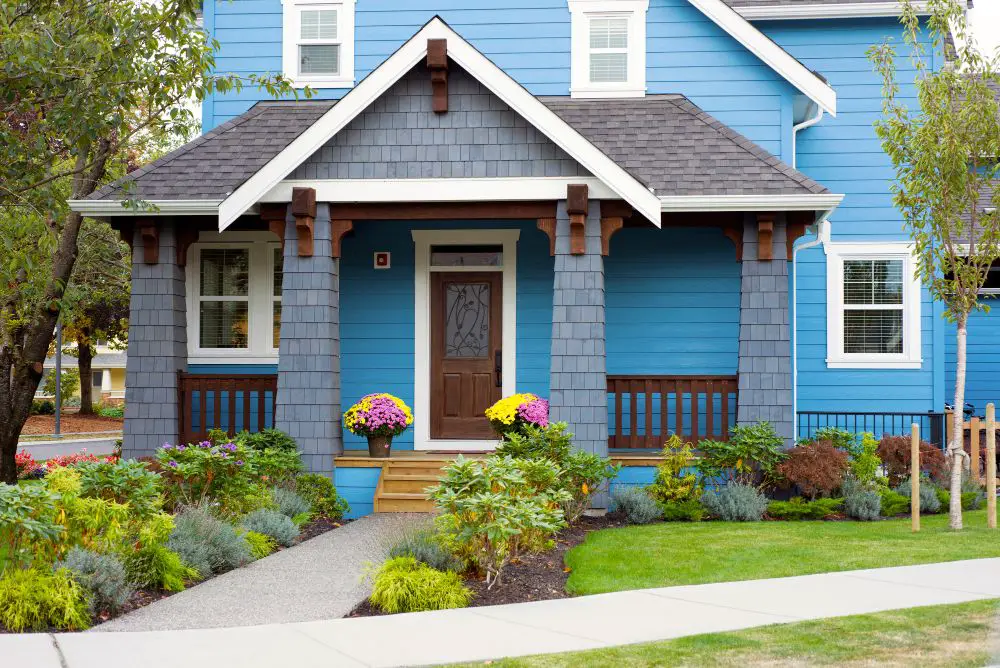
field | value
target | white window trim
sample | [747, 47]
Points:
[260, 349]
[581, 11]
[910, 358]
[291, 20]
[423, 240]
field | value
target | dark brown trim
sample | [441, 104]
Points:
[185, 237]
[548, 225]
[444, 211]
[735, 234]
[338, 228]
[437, 63]
[608, 228]
[616, 208]
[126, 230]
[274, 215]
[304, 210]
[796, 228]
[577, 206]
[150, 242]
[765, 237]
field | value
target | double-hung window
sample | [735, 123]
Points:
[873, 307]
[608, 48]
[318, 48]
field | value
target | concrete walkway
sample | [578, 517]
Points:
[476, 634]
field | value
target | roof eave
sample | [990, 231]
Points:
[847, 10]
[792, 202]
[120, 208]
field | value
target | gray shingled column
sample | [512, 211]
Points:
[765, 367]
[578, 383]
[308, 404]
[157, 347]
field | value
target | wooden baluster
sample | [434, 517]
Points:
[650, 440]
[232, 407]
[725, 411]
[664, 401]
[710, 409]
[633, 418]
[679, 408]
[203, 405]
[617, 388]
[261, 408]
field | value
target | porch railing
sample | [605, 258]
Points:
[878, 424]
[231, 403]
[644, 411]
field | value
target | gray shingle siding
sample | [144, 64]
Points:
[308, 402]
[399, 137]
[765, 366]
[157, 348]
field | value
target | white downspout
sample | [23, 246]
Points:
[822, 237]
[808, 123]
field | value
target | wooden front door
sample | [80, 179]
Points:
[466, 310]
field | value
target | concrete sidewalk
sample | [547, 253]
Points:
[68, 445]
[563, 625]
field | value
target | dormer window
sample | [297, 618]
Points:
[609, 48]
[318, 47]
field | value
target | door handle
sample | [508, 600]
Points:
[498, 366]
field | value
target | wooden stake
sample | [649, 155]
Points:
[991, 467]
[974, 430]
[915, 477]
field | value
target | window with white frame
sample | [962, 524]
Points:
[318, 43]
[873, 300]
[277, 264]
[608, 48]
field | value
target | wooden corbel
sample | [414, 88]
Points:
[150, 235]
[185, 237]
[796, 227]
[274, 215]
[765, 236]
[437, 63]
[609, 226]
[338, 228]
[548, 225]
[577, 205]
[127, 233]
[304, 210]
[735, 234]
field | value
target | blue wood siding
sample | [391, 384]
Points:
[634, 476]
[982, 371]
[357, 486]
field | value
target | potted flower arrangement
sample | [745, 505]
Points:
[513, 413]
[378, 417]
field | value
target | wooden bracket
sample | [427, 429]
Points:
[304, 210]
[127, 233]
[735, 234]
[796, 227]
[274, 215]
[338, 228]
[765, 237]
[185, 237]
[548, 225]
[437, 63]
[608, 227]
[577, 205]
[150, 242]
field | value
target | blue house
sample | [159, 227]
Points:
[663, 215]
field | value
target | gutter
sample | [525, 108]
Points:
[175, 207]
[808, 123]
[853, 10]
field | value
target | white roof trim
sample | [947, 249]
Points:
[817, 202]
[491, 76]
[165, 207]
[836, 11]
[797, 74]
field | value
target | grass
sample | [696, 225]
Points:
[943, 635]
[663, 555]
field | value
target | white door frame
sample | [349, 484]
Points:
[423, 240]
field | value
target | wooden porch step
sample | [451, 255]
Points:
[402, 502]
[408, 483]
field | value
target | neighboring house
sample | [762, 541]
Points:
[107, 373]
[663, 215]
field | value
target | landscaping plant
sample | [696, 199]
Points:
[403, 584]
[322, 496]
[736, 502]
[841, 438]
[636, 504]
[27, 467]
[259, 544]
[801, 509]
[518, 411]
[126, 482]
[273, 453]
[425, 546]
[378, 415]
[816, 469]
[862, 500]
[894, 451]
[288, 503]
[750, 456]
[929, 501]
[865, 461]
[676, 487]
[203, 472]
[29, 528]
[207, 543]
[36, 599]
[103, 576]
[272, 523]
[893, 503]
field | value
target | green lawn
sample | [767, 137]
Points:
[944, 635]
[662, 555]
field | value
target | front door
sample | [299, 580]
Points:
[466, 373]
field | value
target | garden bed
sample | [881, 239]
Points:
[71, 423]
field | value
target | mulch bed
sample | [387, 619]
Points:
[536, 577]
[70, 423]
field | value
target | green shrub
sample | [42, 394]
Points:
[403, 584]
[840, 438]
[861, 500]
[552, 442]
[289, 503]
[801, 509]
[322, 496]
[42, 407]
[102, 575]
[28, 526]
[157, 567]
[736, 502]
[206, 543]
[973, 493]
[36, 600]
[272, 523]
[268, 439]
[259, 544]
[930, 503]
[682, 511]
[749, 457]
[111, 411]
[424, 546]
[203, 472]
[274, 454]
[636, 504]
[893, 503]
[865, 462]
[124, 481]
[67, 387]
[675, 479]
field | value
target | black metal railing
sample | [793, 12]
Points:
[879, 424]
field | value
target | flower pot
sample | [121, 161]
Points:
[379, 446]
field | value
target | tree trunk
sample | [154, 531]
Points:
[956, 449]
[85, 356]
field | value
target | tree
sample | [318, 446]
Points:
[83, 84]
[945, 157]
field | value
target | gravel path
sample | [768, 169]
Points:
[319, 579]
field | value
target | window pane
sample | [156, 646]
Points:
[467, 320]
[224, 272]
[319, 24]
[873, 331]
[608, 67]
[97, 378]
[223, 325]
[466, 256]
[279, 263]
[608, 33]
[319, 58]
[277, 323]
[873, 282]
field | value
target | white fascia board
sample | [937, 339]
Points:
[816, 11]
[819, 202]
[797, 74]
[480, 67]
[509, 189]
[175, 207]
